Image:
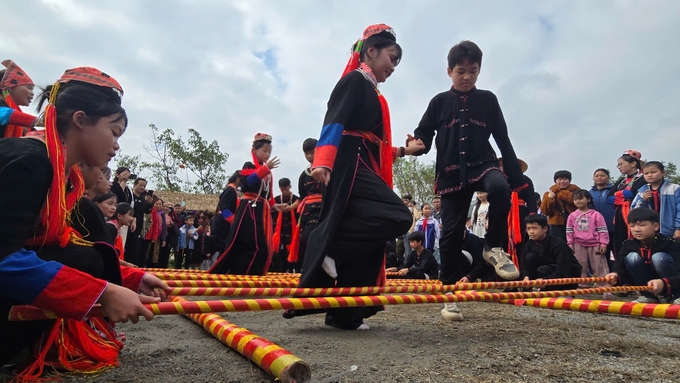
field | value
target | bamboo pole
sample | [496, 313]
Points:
[370, 290]
[20, 313]
[653, 310]
[269, 356]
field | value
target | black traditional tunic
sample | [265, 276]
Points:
[464, 122]
[249, 243]
[359, 212]
[221, 223]
[26, 274]
[286, 223]
[621, 195]
[311, 192]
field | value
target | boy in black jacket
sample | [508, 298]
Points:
[650, 259]
[464, 118]
[547, 257]
[420, 264]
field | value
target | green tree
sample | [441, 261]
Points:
[414, 177]
[671, 172]
[204, 159]
[165, 165]
[134, 163]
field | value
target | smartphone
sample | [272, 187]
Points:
[149, 193]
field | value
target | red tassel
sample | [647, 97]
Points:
[352, 64]
[276, 239]
[514, 229]
[294, 248]
[386, 158]
[54, 216]
[75, 346]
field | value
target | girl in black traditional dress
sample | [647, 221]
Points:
[622, 193]
[360, 212]
[249, 249]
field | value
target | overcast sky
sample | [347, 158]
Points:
[578, 82]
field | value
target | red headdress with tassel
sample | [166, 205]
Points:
[13, 77]
[386, 158]
[54, 217]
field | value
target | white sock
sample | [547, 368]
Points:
[328, 266]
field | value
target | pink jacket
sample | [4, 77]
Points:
[587, 229]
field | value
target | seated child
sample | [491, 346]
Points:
[547, 257]
[420, 264]
[650, 259]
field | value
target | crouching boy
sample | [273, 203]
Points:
[650, 259]
[547, 257]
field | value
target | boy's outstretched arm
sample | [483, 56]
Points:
[427, 127]
[511, 166]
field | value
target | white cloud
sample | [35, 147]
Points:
[579, 82]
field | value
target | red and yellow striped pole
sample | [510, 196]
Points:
[608, 307]
[458, 286]
[202, 283]
[18, 313]
[219, 277]
[269, 356]
[161, 270]
[370, 290]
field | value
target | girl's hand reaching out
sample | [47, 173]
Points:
[273, 163]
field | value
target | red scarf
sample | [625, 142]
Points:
[156, 228]
[12, 130]
[386, 158]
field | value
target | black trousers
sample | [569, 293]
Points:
[559, 231]
[164, 256]
[538, 267]
[373, 215]
[132, 247]
[454, 211]
[181, 255]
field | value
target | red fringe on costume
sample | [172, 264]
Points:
[276, 239]
[514, 229]
[75, 346]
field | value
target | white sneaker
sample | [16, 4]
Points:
[363, 327]
[500, 260]
[644, 299]
[451, 311]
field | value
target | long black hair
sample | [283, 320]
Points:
[76, 96]
[380, 41]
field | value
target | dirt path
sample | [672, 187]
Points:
[412, 343]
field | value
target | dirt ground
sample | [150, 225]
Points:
[412, 343]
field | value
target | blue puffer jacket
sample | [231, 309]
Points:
[670, 206]
[601, 205]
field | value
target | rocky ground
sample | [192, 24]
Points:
[412, 343]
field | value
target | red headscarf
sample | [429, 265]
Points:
[54, 215]
[14, 76]
[386, 158]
